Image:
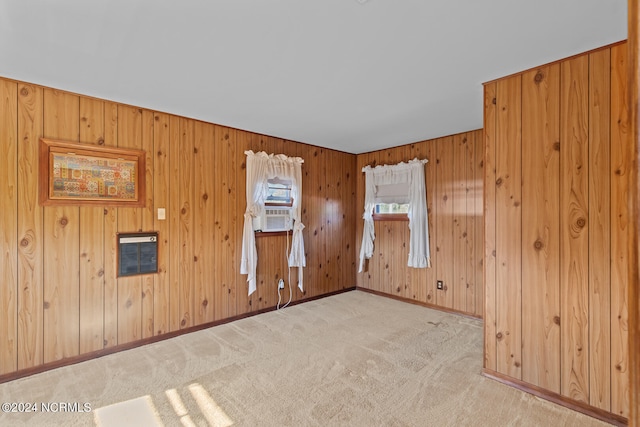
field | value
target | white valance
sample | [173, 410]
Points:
[406, 182]
[260, 168]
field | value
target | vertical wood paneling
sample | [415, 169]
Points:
[490, 264]
[318, 241]
[147, 221]
[444, 221]
[174, 217]
[313, 174]
[186, 207]
[620, 223]
[332, 222]
[454, 183]
[599, 230]
[470, 218]
[349, 255]
[244, 302]
[509, 219]
[386, 247]
[206, 219]
[30, 230]
[225, 222]
[574, 225]
[110, 328]
[61, 243]
[236, 217]
[69, 300]
[129, 220]
[633, 247]
[540, 227]
[91, 242]
[8, 227]
[161, 200]
[220, 226]
[458, 287]
[478, 196]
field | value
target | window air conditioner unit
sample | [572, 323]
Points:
[273, 219]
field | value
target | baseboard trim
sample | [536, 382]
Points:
[556, 398]
[139, 343]
[421, 303]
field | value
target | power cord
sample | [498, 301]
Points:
[286, 254]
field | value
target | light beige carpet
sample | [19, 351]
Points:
[353, 359]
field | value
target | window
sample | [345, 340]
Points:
[274, 192]
[275, 217]
[278, 193]
[389, 211]
[391, 202]
[390, 190]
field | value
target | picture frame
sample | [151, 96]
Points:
[73, 173]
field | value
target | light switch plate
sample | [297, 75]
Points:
[161, 213]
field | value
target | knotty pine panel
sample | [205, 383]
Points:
[186, 229]
[445, 239]
[540, 227]
[478, 214]
[206, 216]
[30, 230]
[110, 326]
[161, 200]
[620, 218]
[68, 300]
[387, 270]
[470, 247]
[458, 286]
[129, 220]
[61, 243]
[147, 218]
[91, 242]
[173, 219]
[509, 222]
[599, 229]
[236, 221]
[575, 223]
[9, 226]
[490, 226]
[222, 223]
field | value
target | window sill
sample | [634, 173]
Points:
[271, 233]
[390, 217]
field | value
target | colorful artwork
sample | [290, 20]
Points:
[88, 177]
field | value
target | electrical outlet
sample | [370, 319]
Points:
[280, 284]
[439, 284]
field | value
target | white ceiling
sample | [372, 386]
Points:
[352, 75]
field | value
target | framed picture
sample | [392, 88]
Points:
[73, 173]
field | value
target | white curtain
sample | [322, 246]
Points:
[260, 168]
[399, 183]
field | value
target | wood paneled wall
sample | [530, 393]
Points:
[59, 294]
[454, 180]
[556, 228]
